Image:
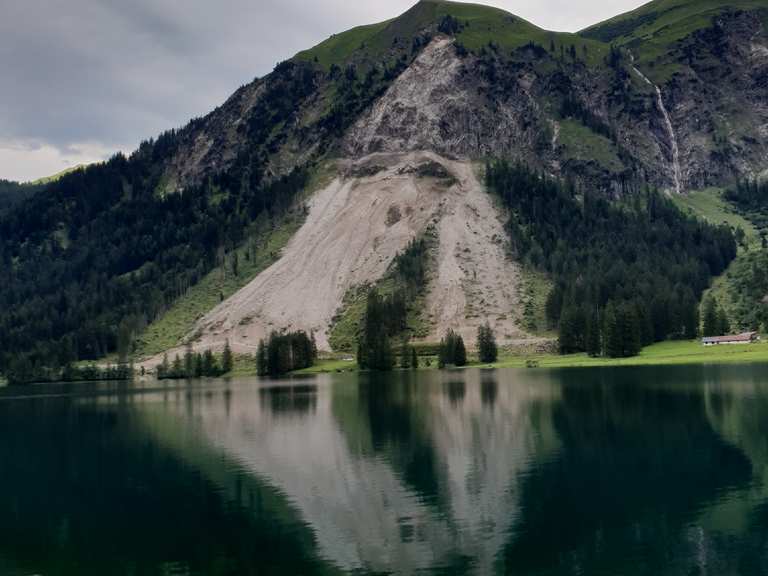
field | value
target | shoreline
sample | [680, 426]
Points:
[662, 354]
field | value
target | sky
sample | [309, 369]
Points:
[83, 79]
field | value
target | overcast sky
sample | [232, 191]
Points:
[82, 79]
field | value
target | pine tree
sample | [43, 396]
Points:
[189, 362]
[162, 370]
[275, 362]
[594, 347]
[632, 332]
[723, 323]
[711, 322]
[572, 330]
[447, 351]
[689, 315]
[226, 359]
[177, 370]
[374, 349]
[487, 349]
[209, 367]
[262, 366]
[460, 352]
[613, 340]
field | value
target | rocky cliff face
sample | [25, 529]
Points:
[694, 115]
[439, 104]
[718, 100]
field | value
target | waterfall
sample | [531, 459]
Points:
[668, 125]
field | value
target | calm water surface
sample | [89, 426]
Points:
[607, 471]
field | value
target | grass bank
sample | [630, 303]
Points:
[664, 353]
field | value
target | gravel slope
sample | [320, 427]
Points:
[354, 229]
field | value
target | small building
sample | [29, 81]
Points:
[745, 338]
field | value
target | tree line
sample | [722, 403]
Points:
[73, 373]
[100, 254]
[386, 316]
[12, 193]
[626, 273]
[751, 199]
[748, 278]
[196, 365]
[285, 352]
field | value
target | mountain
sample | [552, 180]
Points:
[365, 161]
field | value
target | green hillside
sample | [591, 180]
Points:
[57, 176]
[652, 30]
[478, 26]
[664, 20]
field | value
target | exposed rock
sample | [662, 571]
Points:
[350, 239]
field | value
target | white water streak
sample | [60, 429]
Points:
[670, 130]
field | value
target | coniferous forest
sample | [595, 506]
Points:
[12, 193]
[99, 254]
[285, 352]
[626, 274]
[751, 198]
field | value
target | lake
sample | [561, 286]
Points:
[582, 471]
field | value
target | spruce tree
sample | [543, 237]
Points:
[594, 347]
[689, 315]
[374, 349]
[209, 364]
[487, 349]
[711, 322]
[226, 359]
[613, 340]
[177, 370]
[189, 362]
[262, 366]
[572, 329]
[274, 364]
[724, 325]
[632, 332]
[162, 370]
[447, 351]
[460, 352]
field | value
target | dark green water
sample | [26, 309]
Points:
[625, 471]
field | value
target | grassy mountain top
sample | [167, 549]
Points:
[652, 30]
[666, 20]
[57, 176]
[478, 26]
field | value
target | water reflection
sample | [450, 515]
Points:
[525, 472]
[296, 400]
[393, 473]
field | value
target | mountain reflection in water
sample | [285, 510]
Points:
[631, 471]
